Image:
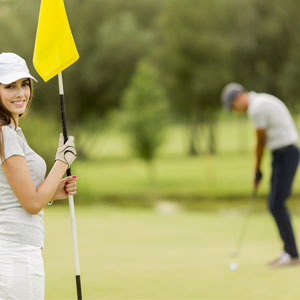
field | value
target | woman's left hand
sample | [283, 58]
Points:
[66, 187]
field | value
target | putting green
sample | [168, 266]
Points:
[165, 255]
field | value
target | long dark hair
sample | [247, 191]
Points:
[6, 118]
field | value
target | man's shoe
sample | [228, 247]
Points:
[284, 260]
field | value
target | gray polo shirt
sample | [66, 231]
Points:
[16, 224]
[269, 113]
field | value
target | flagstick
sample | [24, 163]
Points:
[71, 199]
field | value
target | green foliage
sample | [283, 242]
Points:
[266, 41]
[194, 58]
[194, 54]
[111, 55]
[288, 83]
[198, 46]
[145, 111]
[111, 36]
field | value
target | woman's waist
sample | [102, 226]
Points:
[19, 226]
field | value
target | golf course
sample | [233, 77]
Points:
[144, 254]
[172, 238]
[175, 125]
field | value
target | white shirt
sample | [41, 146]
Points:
[16, 224]
[269, 113]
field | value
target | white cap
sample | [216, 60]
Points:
[12, 68]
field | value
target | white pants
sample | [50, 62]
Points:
[22, 274]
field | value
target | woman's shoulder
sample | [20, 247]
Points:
[7, 127]
[9, 132]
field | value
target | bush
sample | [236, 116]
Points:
[145, 111]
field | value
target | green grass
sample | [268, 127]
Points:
[112, 173]
[131, 253]
[220, 176]
[141, 254]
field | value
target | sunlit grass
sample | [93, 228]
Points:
[181, 252]
[111, 171]
[115, 173]
[132, 254]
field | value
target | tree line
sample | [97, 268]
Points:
[194, 47]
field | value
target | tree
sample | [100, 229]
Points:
[264, 38]
[111, 37]
[145, 110]
[194, 56]
[111, 40]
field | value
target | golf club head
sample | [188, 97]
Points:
[234, 254]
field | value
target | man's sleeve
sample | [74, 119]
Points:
[260, 118]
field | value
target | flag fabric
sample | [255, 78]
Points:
[54, 49]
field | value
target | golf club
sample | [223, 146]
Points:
[242, 233]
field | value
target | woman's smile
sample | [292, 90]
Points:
[19, 103]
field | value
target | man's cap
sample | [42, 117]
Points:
[229, 93]
[12, 68]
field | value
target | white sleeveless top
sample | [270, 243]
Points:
[16, 224]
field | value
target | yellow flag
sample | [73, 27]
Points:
[55, 49]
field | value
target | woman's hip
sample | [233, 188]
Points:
[21, 272]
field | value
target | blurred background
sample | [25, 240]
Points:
[143, 102]
[144, 98]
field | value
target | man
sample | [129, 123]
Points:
[276, 130]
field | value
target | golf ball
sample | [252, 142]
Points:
[233, 266]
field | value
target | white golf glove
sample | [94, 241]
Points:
[66, 151]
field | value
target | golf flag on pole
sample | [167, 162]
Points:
[55, 49]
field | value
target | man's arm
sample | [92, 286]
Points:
[260, 145]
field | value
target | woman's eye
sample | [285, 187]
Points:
[10, 86]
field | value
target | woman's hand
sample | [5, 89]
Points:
[66, 151]
[66, 187]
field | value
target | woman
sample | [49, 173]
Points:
[24, 190]
[276, 130]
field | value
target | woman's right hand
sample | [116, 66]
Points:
[66, 187]
[66, 152]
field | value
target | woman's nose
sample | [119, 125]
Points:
[20, 92]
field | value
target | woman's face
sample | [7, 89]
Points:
[15, 96]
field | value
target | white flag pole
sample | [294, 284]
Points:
[71, 199]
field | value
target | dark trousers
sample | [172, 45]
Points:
[284, 167]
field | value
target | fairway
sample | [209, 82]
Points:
[143, 254]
